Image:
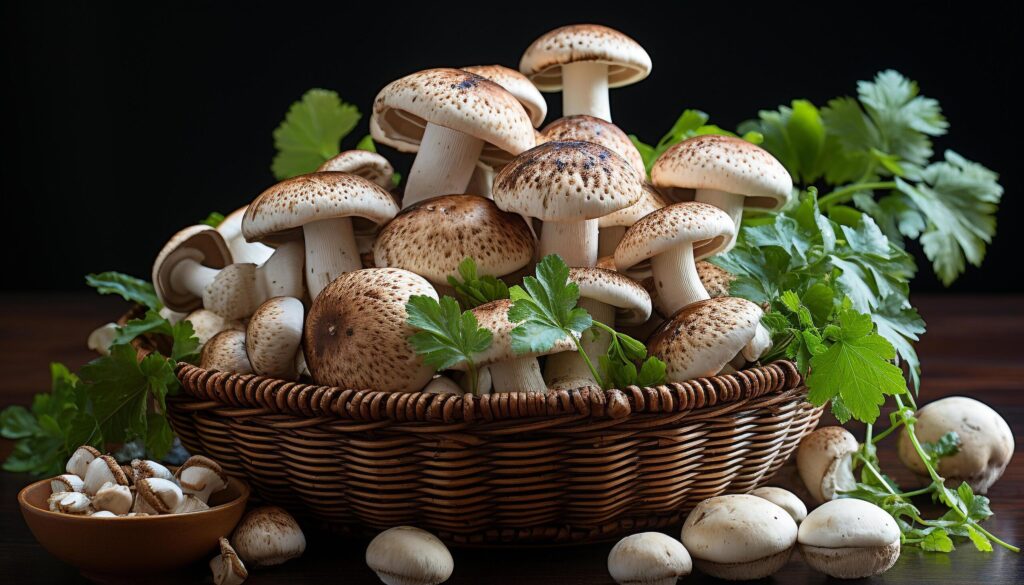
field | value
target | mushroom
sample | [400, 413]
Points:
[405, 555]
[432, 237]
[356, 335]
[986, 442]
[142, 468]
[442, 385]
[739, 537]
[191, 503]
[113, 498]
[225, 352]
[206, 324]
[242, 251]
[702, 338]
[188, 265]
[226, 567]
[824, 461]
[361, 163]
[673, 238]
[102, 338]
[610, 298]
[568, 185]
[784, 499]
[154, 495]
[727, 172]
[268, 536]
[613, 226]
[318, 208]
[200, 477]
[74, 503]
[79, 461]
[273, 336]
[103, 514]
[67, 482]
[517, 84]
[510, 371]
[849, 539]
[716, 281]
[584, 61]
[101, 470]
[648, 558]
[585, 128]
[173, 317]
[451, 118]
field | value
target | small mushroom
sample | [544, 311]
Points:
[517, 84]
[101, 470]
[141, 469]
[157, 496]
[849, 539]
[187, 266]
[784, 499]
[67, 482]
[200, 477]
[590, 129]
[74, 503]
[79, 461]
[226, 567]
[739, 537]
[986, 442]
[101, 338]
[405, 555]
[824, 461]
[225, 352]
[273, 337]
[206, 324]
[113, 498]
[268, 536]
[442, 385]
[361, 163]
[191, 504]
[242, 251]
[648, 558]
[613, 226]
[103, 514]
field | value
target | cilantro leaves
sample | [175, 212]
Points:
[311, 132]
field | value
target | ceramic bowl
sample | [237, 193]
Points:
[139, 546]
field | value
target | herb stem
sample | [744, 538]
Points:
[844, 194]
[886, 432]
[586, 358]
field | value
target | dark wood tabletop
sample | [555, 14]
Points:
[972, 348]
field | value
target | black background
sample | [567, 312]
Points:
[123, 124]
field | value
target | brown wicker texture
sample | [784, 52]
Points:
[505, 469]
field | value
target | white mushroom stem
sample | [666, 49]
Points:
[575, 242]
[517, 375]
[730, 203]
[192, 276]
[331, 251]
[608, 239]
[568, 366]
[443, 165]
[676, 280]
[585, 90]
[481, 182]
[281, 275]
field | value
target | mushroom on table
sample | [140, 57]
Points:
[849, 539]
[824, 461]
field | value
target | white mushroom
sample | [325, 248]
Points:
[206, 324]
[225, 352]
[157, 496]
[986, 442]
[268, 536]
[67, 482]
[200, 476]
[113, 498]
[80, 459]
[191, 504]
[824, 460]
[103, 514]
[101, 338]
[74, 503]
[143, 468]
[739, 537]
[241, 251]
[101, 470]
[405, 555]
[226, 567]
[849, 539]
[273, 337]
[784, 499]
[648, 558]
[443, 385]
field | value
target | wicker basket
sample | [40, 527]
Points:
[568, 467]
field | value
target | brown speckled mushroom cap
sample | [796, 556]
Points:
[715, 280]
[724, 163]
[519, 86]
[590, 129]
[701, 338]
[201, 243]
[649, 202]
[279, 213]
[567, 181]
[362, 163]
[542, 61]
[432, 237]
[631, 301]
[707, 228]
[225, 352]
[458, 100]
[356, 334]
[273, 336]
[493, 316]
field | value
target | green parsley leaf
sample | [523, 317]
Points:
[312, 132]
[131, 289]
[447, 335]
[937, 541]
[947, 446]
[545, 308]
[474, 290]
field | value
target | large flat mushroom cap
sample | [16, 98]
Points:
[724, 163]
[590, 129]
[567, 182]
[542, 61]
[631, 301]
[201, 243]
[737, 529]
[518, 85]
[356, 335]
[707, 228]
[433, 236]
[701, 338]
[493, 316]
[649, 202]
[362, 163]
[848, 522]
[279, 213]
[458, 100]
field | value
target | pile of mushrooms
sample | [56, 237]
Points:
[311, 278]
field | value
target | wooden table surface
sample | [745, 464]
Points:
[972, 348]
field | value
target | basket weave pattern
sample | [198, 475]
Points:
[514, 468]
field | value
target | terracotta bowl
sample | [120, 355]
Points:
[101, 547]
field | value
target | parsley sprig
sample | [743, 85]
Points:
[474, 290]
[446, 335]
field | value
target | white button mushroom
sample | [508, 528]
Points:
[405, 555]
[200, 476]
[225, 352]
[80, 459]
[74, 503]
[101, 470]
[849, 539]
[103, 514]
[825, 462]
[226, 567]
[67, 482]
[191, 504]
[648, 558]
[268, 536]
[986, 442]
[739, 537]
[157, 496]
[784, 499]
[143, 468]
[113, 498]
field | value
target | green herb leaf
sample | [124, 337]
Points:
[937, 541]
[947, 446]
[545, 307]
[214, 219]
[312, 132]
[130, 288]
[474, 290]
[447, 335]
[689, 124]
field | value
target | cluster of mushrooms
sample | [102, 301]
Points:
[312, 277]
